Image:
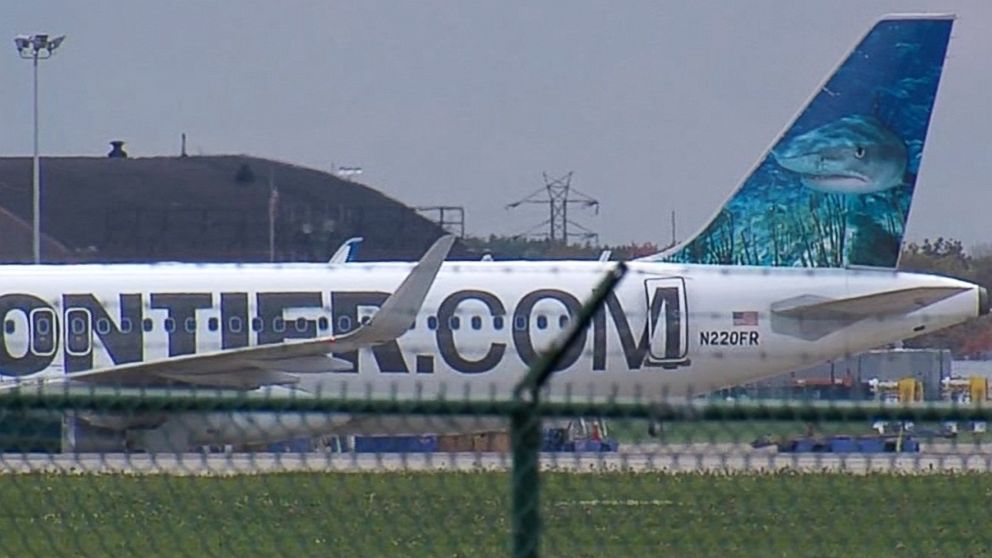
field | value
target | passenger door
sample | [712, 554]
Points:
[667, 323]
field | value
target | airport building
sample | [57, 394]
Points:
[200, 208]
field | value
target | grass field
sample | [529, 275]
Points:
[467, 514]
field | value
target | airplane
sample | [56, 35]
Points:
[798, 267]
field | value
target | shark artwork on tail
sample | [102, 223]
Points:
[835, 188]
[853, 155]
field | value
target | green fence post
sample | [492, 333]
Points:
[525, 425]
[525, 439]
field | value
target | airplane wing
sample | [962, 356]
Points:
[811, 317]
[253, 367]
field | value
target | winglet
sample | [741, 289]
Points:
[224, 368]
[400, 309]
[346, 252]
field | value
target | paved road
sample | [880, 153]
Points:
[709, 457]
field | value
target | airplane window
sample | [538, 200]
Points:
[256, 324]
[454, 322]
[563, 321]
[190, 324]
[520, 323]
[432, 323]
[322, 323]
[147, 324]
[77, 327]
[42, 342]
[301, 325]
[476, 322]
[278, 325]
[212, 324]
[542, 321]
[344, 323]
[103, 326]
[366, 320]
[170, 325]
[234, 324]
[125, 325]
[8, 326]
[497, 322]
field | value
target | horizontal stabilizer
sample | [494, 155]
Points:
[812, 317]
[888, 303]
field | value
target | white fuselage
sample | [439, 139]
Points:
[667, 330]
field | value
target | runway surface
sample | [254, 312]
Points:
[726, 458]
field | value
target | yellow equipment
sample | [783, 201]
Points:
[965, 389]
[978, 387]
[910, 389]
[903, 390]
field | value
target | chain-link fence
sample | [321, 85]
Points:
[705, 479]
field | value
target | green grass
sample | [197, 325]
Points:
[467, 514]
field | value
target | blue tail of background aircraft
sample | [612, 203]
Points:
[835, 188]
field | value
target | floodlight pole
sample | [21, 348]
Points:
[36, 174]
[36, 47]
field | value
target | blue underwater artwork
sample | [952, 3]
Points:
[836, 188]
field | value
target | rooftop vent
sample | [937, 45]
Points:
[117, 150]
[244, 175]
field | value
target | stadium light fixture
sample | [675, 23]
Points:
[36, 47]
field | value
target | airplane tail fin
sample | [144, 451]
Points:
[347, 251]
[835, 188]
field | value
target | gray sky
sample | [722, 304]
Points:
[656, 106]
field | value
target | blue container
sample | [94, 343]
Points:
[395, 444]
[591, 445]
[555, 439]
[843, 445]
[803, 446]
[871, 445]
[910, 445]
[298, 445]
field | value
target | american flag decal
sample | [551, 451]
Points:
[749, 318]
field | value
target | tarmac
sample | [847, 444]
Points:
[643, 458]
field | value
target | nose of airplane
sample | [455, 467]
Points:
[983, 301]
